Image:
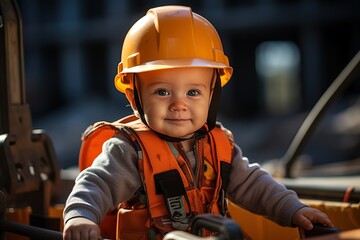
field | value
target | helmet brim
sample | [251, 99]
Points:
[225, 73]
[174, 63]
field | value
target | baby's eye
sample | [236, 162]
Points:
[193, 92]
[162, 92]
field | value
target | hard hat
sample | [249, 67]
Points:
[171, 37]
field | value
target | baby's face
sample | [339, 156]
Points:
[176, 101]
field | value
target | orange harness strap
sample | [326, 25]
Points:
[94, 137]
[222, 147]
[153, 164]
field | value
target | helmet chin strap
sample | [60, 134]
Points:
[214, 103]
[211, 119]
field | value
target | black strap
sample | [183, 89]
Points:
[214, 104]
[138, 105]
[225, 170]
[169, 183]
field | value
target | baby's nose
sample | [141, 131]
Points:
[178, 104]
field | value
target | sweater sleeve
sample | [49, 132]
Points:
[112, 178]
[254, 189]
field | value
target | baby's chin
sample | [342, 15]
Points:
[174, 131]
[173, 134]
[177, 134]
[180, 136]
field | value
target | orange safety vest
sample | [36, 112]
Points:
[173, 194]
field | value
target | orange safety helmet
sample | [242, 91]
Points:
[171, 37]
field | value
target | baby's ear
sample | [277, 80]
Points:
[130, 97]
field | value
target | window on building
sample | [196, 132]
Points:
[278, 68]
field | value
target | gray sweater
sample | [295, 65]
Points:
[114, 178]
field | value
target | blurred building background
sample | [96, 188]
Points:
[285, 53]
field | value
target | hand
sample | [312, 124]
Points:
[81, 229]
[306, 216]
